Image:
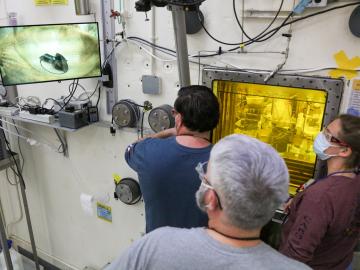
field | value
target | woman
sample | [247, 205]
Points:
[323, 223]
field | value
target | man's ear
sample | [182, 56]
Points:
[345, 152]
[211, 200]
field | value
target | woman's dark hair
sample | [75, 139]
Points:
[350, 134]
[199, 108]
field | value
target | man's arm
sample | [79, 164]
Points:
[135, 155]
[308, 230]
[162, 134]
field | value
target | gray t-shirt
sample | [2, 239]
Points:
[179, 249]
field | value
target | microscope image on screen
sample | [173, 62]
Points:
[41, 53]
[57, 62]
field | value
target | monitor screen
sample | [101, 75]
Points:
[52, 52]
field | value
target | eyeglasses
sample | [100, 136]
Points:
[332, 139]
[201, 169]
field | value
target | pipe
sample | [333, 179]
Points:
[153, 40]
[178, 14]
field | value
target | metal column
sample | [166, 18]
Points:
[4, 245]
[178, 15]
[28, 220]
[109, 34]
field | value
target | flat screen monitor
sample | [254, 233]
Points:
[51, 52]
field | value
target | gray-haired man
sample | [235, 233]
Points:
[245, 182]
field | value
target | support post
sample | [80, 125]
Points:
[178, 15]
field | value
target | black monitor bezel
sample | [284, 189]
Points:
[69, 79]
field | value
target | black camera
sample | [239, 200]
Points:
[145, 5]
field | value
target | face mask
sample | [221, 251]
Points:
[200, 197]
[320, 145]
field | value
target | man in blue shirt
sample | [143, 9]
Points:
[166, 161]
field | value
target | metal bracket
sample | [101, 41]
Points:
[109, 34]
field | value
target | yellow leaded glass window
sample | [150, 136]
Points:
[288, 118]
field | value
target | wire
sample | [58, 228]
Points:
[164, 49]
[110, 54]
[151, 54]
[262, 32]
[19, 147]
[275, 31]
[305, 17]
[267, 35]
[54, 100]
[98, 100]
[82, 87]
[16, 182]
[21, 178]
[72, 92]
[250, 70]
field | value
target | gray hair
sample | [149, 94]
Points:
[251, 179]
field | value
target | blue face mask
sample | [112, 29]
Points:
[320, 145]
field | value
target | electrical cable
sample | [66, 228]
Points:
[262, 32]
[110, 54]
[54, 100]
[318, 13]
[11, 166]
[273, 31]
[276, 29]
[8, 178]
[21, 212]
[83, 88]
[18, 172]
[72, 92]
[19, 147]
[98, 100]
[141, 40]
[254, 71]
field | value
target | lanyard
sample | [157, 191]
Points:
[310, 183]
[334, 173]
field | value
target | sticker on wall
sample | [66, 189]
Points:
[59, 2]
[104, 212]
[346, 67]
[42, 2]
[354, 106]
